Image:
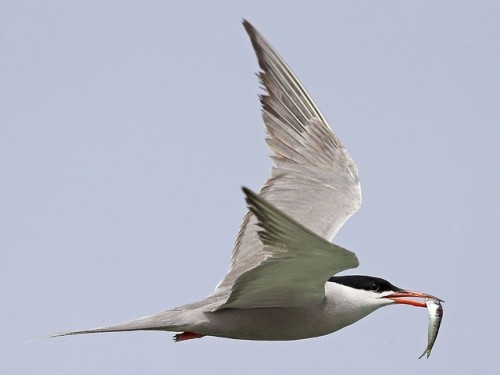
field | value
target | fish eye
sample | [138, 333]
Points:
[374, 287]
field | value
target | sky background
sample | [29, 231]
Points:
[128, 127]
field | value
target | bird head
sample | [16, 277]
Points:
[375, 292]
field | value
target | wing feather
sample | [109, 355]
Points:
[297, 265]
[313, 179]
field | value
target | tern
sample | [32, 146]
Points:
[281, 283]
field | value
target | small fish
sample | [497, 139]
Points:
[435, 316]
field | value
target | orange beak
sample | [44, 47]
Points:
[399, 297]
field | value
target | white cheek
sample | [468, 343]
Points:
[347, 298]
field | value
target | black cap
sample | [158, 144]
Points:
[370, 283]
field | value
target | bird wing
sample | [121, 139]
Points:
[298, 262]
[313, 179]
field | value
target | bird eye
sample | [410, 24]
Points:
[375, 287]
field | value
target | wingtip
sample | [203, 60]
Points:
[250, 195]
[255, 203]
[246, 190]
[257, 41]
[248, 26]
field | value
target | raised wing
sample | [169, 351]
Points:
[313, 179]
[298, 262]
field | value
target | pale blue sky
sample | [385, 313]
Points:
[127, 129]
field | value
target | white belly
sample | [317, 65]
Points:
[275, 323]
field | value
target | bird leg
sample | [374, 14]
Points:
[187, 336]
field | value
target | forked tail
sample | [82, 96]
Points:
[165, 321]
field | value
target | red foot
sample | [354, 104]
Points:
[187, 336]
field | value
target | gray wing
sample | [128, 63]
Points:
[313, 179]
[298, 262]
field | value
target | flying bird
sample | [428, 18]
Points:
[281, 282]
